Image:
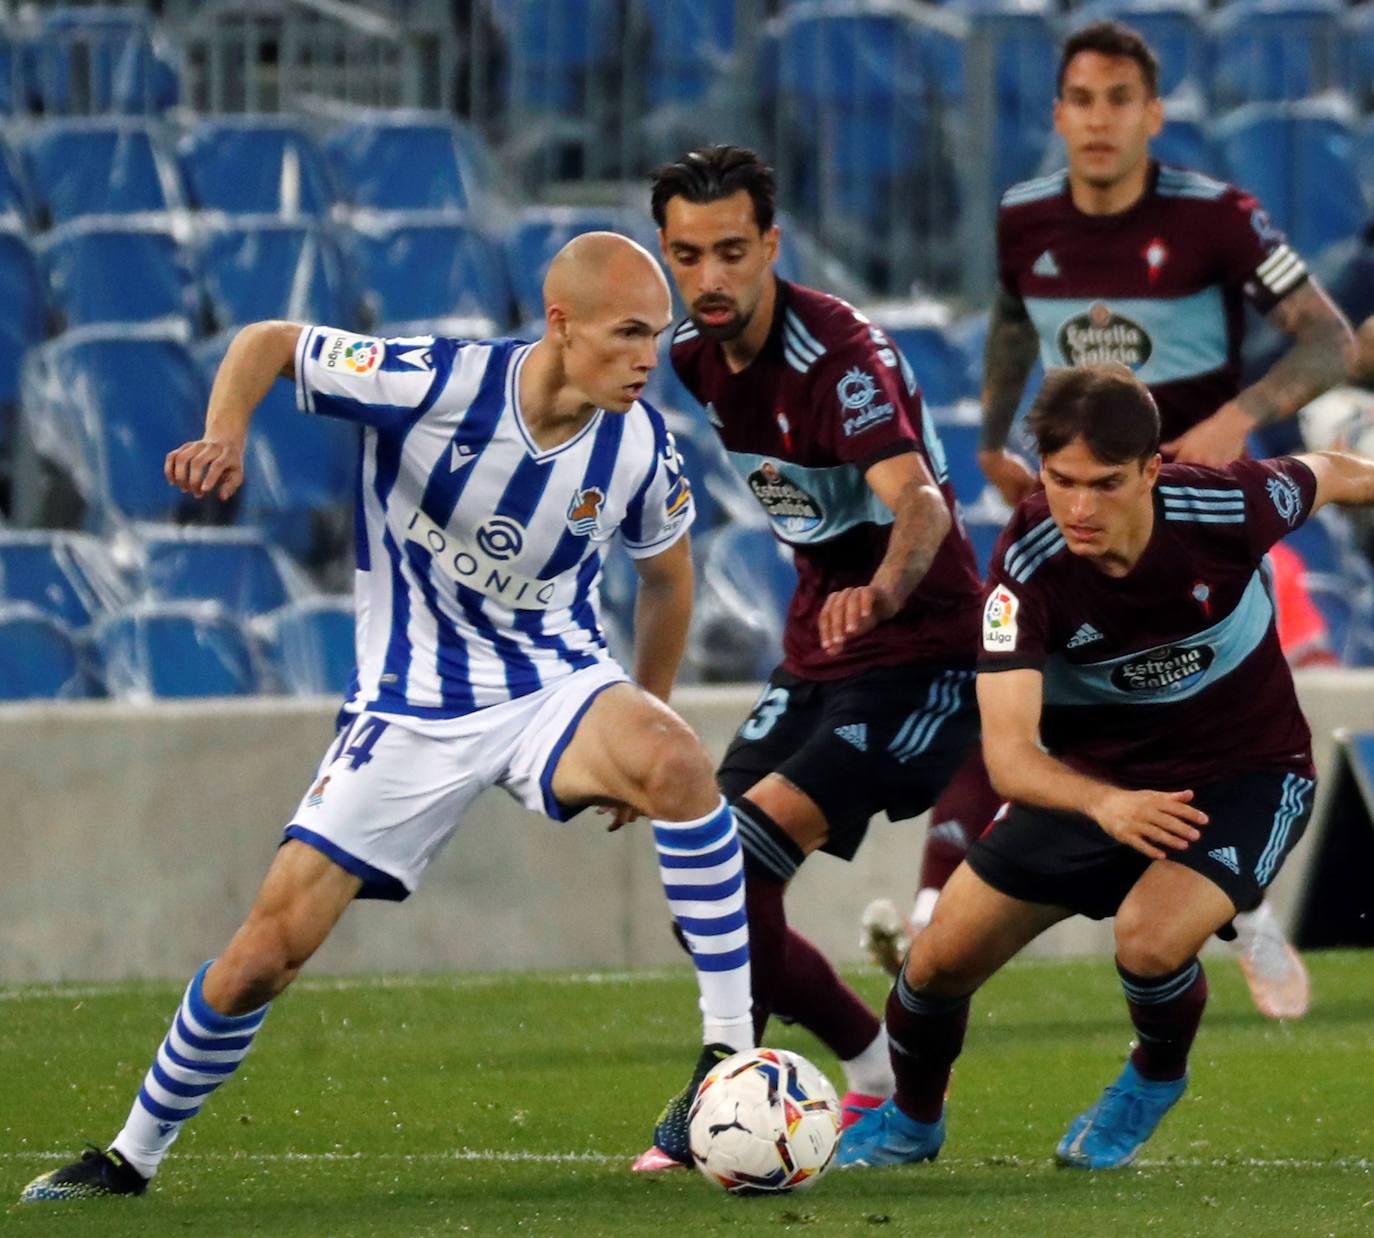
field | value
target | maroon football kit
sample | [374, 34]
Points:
[1167, 678]
[883, 724]
[1160, 287]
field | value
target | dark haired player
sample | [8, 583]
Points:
[1120, 258]
[872, 707]
[1139, 714]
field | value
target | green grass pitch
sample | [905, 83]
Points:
[513, 1105]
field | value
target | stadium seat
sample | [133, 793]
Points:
[983, 532]
[938, 363]
[1177, 30]
[431, 276]
[11, 84]
[690, 43]
[254, 165]
[16, 200]
[23, 316]
[540, 233]
[177, 649]
[960, 442]
[552, 46]
[103, 407]
[68, 576]
[109, 268]
[1272, 50]
[1298, 159]
[258, 267]
[745, 586]
[404, 162]
[313, 646]
[99, 166]
[235, 568]
[39, 657]
[84, 60]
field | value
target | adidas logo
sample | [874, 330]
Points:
[1085, 635]
[1227, 856]
[1045, 266]
[855, 733]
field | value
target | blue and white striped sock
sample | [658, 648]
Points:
[201, 1050]
[702, 868]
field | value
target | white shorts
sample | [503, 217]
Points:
[392, 789]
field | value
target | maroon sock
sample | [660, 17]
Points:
[1166, 1011]
[961, 813]
[809, 992]
[943, 854]
[767, 942]
[926, 1034]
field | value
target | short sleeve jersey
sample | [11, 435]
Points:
[1171, 675]
[1160, 287]
[478, 552]
[829, 396]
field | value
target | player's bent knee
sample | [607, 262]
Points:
[1145, 947]
[678, 780]
[257, 966]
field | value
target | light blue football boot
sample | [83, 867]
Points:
[1112, 1132]
[886, 1136]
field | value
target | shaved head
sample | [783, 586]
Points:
[603, 272]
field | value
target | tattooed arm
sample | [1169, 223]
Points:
[1316, 361]
[1007, 362]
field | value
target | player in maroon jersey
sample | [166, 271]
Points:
[872, 708]
[1138, 712]
[1120, 258]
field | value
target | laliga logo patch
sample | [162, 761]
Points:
[1286, 498]
[584, 509]
[999, 620]
[501, 538]
[362, 356]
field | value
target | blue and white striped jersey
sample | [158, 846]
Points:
[478, 553]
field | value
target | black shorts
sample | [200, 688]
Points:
[1067, 860]
[887, 739]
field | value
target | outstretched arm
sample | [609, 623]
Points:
[1315, 361]
[1007, 362]
[1341, 478]
[1009, 702]
[920, 522]
[259, 354]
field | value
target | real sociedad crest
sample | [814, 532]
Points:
[584, 509]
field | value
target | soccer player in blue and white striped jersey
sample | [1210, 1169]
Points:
[492, 474]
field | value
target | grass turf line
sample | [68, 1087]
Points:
[513, 1104]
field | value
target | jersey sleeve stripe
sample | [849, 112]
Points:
[1031, 565]
[811, 342]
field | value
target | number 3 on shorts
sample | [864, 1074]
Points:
[772, 705]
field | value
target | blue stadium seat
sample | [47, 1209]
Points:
[1177, 30]
[960, 441]
[745, 585]
[99, 166]
[97, 61]
[11, 81]
[39, 657]
[552, 46]
[16, 200]
[940, 367]
[1272, 50]
[109, 269]
[1185, 144]
[177, 649]
[392, 162]
[23, 315]
[983, 532]
[257, 267]
[1298, 159]
[539, 234]
[104, 407]
[313, 646]
[420, 272]
[68, 576]
[690, 45]
[253, 165]
[233, 567]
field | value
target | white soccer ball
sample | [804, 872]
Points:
[764, 1120]
[1340, 420]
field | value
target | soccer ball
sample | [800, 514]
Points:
[764, 1120]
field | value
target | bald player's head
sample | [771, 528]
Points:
[606, 301]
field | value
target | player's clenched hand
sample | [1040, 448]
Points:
[848, 613]
[1153, 822]
[1011, 475]
[1214, 441]
[206, 466]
